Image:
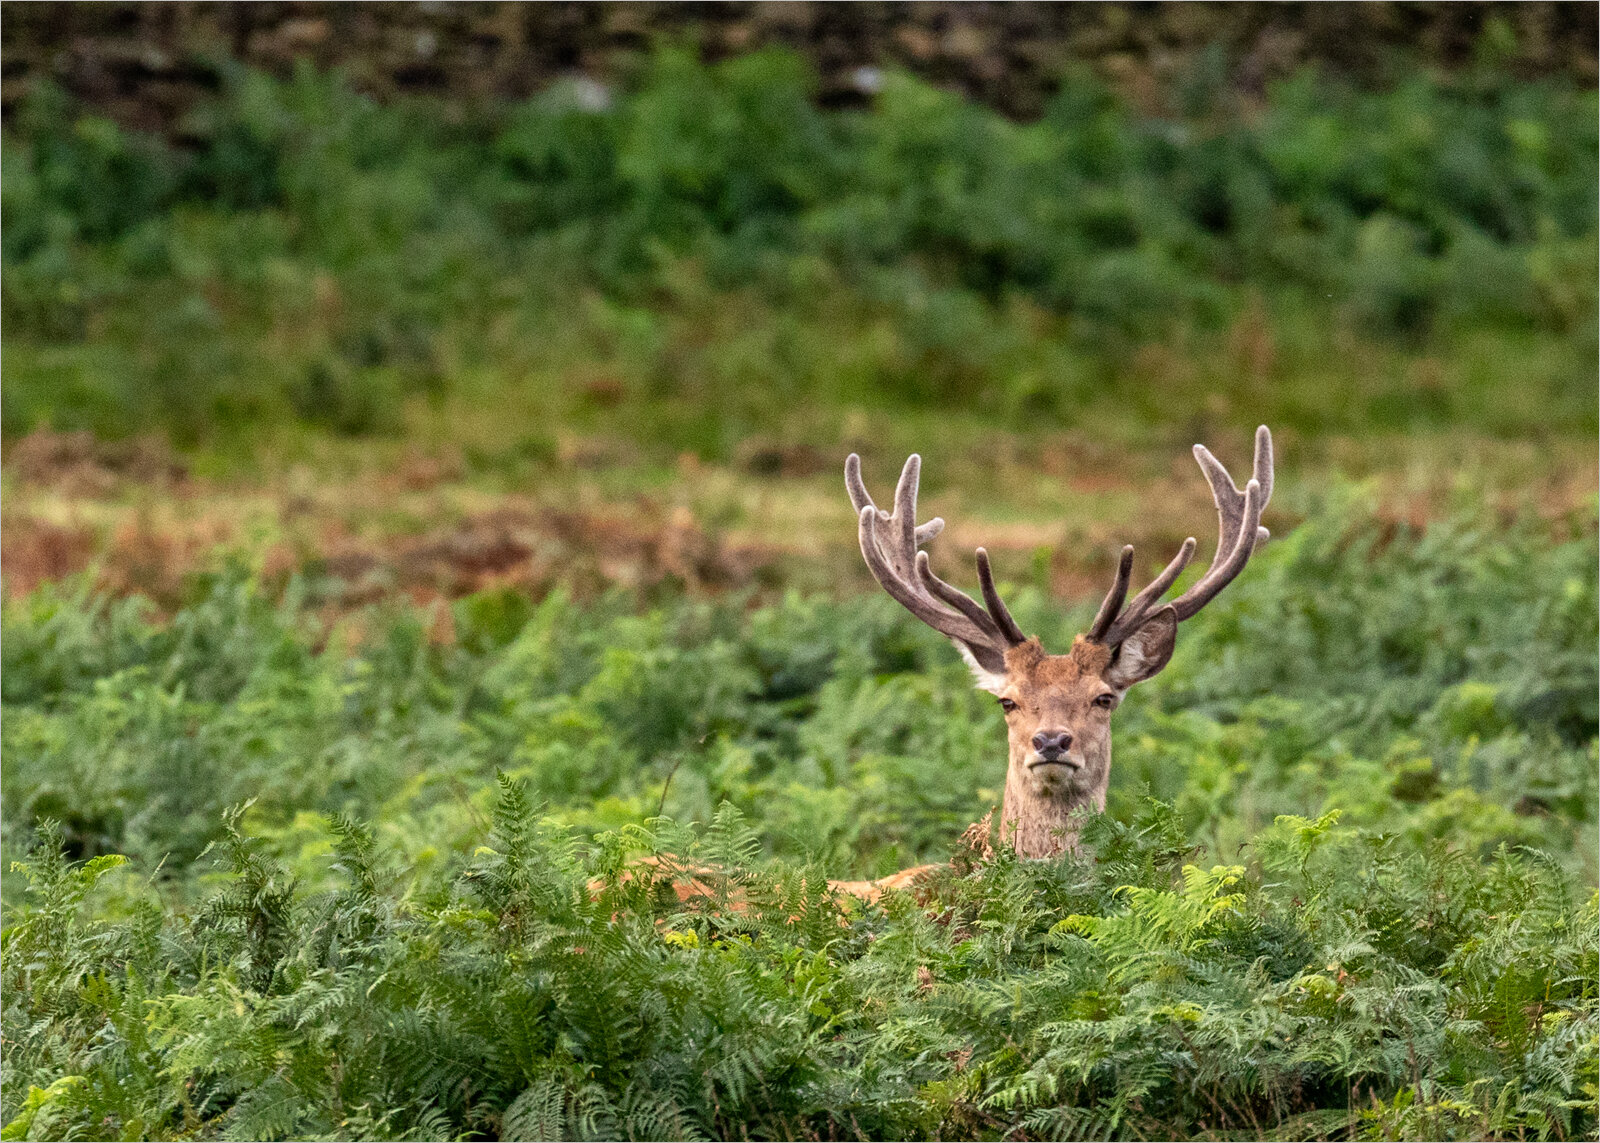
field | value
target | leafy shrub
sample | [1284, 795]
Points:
[311, 253]
[1370, 733]
[1354, 986]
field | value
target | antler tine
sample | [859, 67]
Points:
[1229, 498]
[1261, 464]
[905, 504]
[1238, 521]
[1111, 606]
[997, 607]
[1136, 611]
[859, 496]
[1239, 531]
[928, 531]
[889, 544]
[861, 499]
[1220, 575]
[904, 591]
[956, 598]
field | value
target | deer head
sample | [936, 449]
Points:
[1058, 707]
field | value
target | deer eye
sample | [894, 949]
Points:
[1007, 705]
[1106, 701]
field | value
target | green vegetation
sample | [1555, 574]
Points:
[1388, 961]
[1436, 686]
[711, 246]
[1356, 987]
[295, 864]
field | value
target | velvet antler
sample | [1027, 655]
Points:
[1239, 532]
[889, 542]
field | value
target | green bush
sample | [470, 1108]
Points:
[1439, 685]
[308, 252]
[1384, 741]
[1352, 987]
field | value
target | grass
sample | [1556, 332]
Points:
[356, 321]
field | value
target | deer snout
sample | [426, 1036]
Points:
[1052, 745]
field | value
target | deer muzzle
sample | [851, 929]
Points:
[1050, 748]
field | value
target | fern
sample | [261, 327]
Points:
[387, 944]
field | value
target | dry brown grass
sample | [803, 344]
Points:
[1051, 509]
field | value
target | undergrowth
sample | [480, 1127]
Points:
[1348, 985]
[274, 889]
[1439, 684]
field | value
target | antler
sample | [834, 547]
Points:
[890, 542]
[1239, 531]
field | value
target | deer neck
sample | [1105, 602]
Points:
[1045, 822]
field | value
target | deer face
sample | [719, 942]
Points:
[1058, 708]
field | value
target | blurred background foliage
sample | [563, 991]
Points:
[714, 240]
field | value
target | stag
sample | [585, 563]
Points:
[1057, 707]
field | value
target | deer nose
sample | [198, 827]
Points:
[1051, 744]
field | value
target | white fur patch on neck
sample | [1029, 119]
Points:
[985, 679]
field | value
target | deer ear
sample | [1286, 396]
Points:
[1144, 652]
[986, 679]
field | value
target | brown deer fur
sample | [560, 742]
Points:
[1046, 800]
